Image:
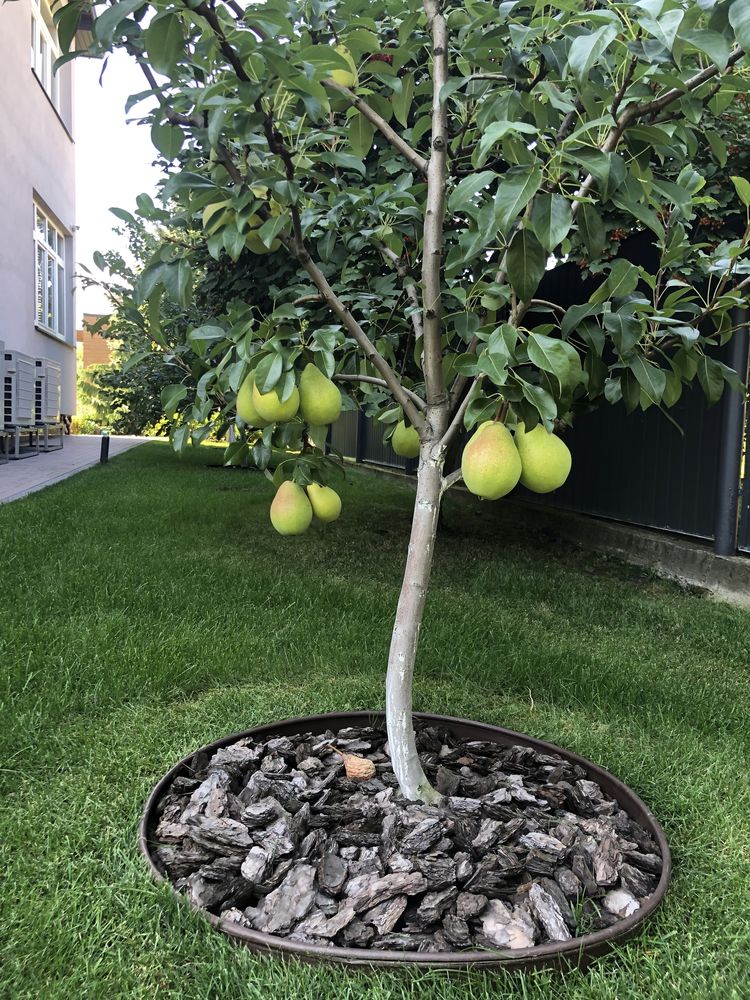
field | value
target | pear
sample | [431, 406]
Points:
[319, 397]
[545, 459]
[291, 512]
[245, 409]
[343, 77]
[405, 441]
[491, 465]
[325, 502]
[270, 407]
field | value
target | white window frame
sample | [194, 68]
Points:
[44, 50]
[49, 275]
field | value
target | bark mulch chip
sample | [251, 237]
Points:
[524, 849]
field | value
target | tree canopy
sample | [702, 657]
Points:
[419, 171]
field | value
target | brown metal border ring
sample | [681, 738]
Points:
[577, 952]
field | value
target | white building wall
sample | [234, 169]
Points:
[36, 163]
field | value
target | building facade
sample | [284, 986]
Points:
[37, 193]
[93, 348]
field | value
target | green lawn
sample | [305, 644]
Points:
[148, 607]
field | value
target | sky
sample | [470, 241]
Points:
[113, 161]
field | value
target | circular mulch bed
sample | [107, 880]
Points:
[534, 856]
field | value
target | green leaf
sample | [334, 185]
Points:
[663, 28]
[586, 50]
[66, 21]
[494, 133]
[171, 396]
[360, 133]
[168, 139]
[625, 330]
[346, 161]
[268, 372]
[176, 279]
[714, 45]
[540, 399]
[525, 262]
[555, 356]
[551, 217]
[718, 146]
[134, 359]
[739, 18]
[120, 213]
[206, 334]
[651, 378]
[401, 101]
[742, 187]
[462, 195]
[108, 20]
[621, 280]
[494, 363]
[591, 229]
[180, 438]
[216, 117]
[514, 193]
[711, 379]
[271, 229]
[165, 42]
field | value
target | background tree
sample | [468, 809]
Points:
[423, 165]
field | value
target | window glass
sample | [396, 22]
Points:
[50, 274]
[44, 50]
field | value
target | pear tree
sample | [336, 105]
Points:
[425, 167]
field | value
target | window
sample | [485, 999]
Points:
[44, 50]
[49, 244]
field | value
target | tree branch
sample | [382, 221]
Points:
[371, 380]
[371, 353]
[452, 479]
[652, 107]
[458, 417]
[297, 247]
[410, 287]
[432, 237]
[381, 125]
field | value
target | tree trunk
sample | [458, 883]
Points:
[407, 768]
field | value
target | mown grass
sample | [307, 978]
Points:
[148, 607]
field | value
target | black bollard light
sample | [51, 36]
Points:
[104, 454]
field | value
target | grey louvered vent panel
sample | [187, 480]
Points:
[2, 385]
[19, 388]
[48, 389]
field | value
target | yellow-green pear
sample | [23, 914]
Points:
[319, 397]
[491, 465]
[405, 441]
[545, 459]
[343, 77]
[325, 502]
[270, 407]
[291, 512]
[245, 409]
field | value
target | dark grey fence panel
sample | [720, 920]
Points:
[358, 437]
[344, 434]
[744, 542]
